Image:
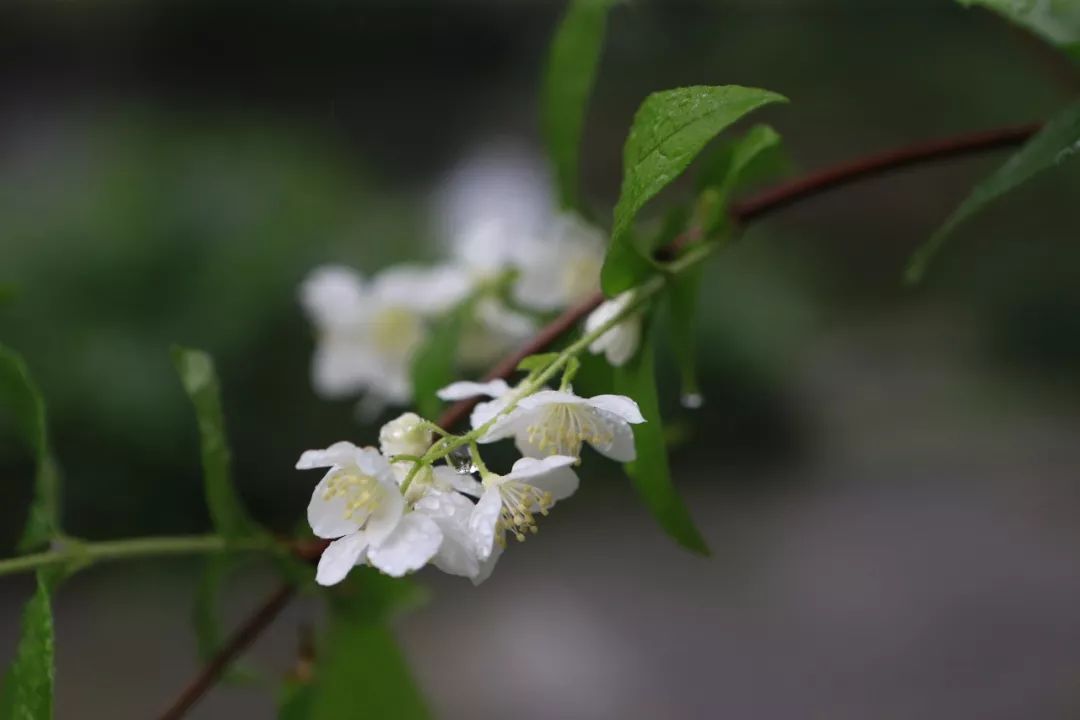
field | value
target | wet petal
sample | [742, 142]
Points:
[339, 558]
[409, 547]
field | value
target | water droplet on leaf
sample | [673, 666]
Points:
[692, 400]
[461, 460]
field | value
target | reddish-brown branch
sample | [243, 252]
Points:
[744, 211]
[240, 640]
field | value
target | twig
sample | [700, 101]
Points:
[240, 640]
[745, 211]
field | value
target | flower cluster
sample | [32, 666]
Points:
[514, 264]
[393, 508]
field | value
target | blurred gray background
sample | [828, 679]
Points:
[887, 477]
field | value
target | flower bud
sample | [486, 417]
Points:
[406, 435]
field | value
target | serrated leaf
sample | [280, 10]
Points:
[649, 472]
[197, 375]
[1058, 141]
[669, 130]
[22, 401]
[434, 365]
[1056, 21]
[568, 82]
[27, 693]
[360, 666]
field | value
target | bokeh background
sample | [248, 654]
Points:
[887, 477]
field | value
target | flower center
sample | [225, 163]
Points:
[519, 503]
[362, 493]
[396, 331]
[563, 427]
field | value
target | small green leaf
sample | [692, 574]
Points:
[669, 130]
[740, 163]
[435, 363]
[1058, 141]
[295, 700]
[360, 668]
[27, 693]
[535, 363]
[568, 82]
[7, 294]
[1056, 21]
[22, 400]
[649, 472]
[197, 374]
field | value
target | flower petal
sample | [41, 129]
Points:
[412, 543]
[619, 405]
[446, 478]
[451, 512]
[329, 518]
[386, 516]
[332, 294]
[340, 453]
[552, 474]
[621, 446]
[506, 426]
[340, 557]
[485, 568]
[550, 397]
[483, 520]
[464, 389]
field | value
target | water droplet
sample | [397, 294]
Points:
[692, 400]
[461, 460]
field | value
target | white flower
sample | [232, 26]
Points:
[358, 505]
[451, 511]
[406, 434]
[556, 422]
[368, 332]
[496, 199]
[620, 342]
[464, 389]
[492, 331]
[561, 268]
[510, 502]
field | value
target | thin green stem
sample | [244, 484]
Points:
[84, 553]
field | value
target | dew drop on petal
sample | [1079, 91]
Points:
[692, 400]
[461, 460]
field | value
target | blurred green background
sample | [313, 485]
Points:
[876, 467]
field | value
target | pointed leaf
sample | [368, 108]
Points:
[1056, 21]
[1058, 141]
[568, 82]
[27, 693]
[669, 130]
[683, 305]
[739, 163]
[649, 472]
[200, 381]
[21, 400]
[533, 363]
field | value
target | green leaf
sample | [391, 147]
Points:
[534, 363]
[27, 693]
[295, 700]
[1056, 21]
[7, 294]
[649, 472]
[360, 667]
[1058, 141]
[209, 634]
[568, 82]
[434, 365]
[197, 375]
[683, 306]
[743, 161]
[22, 400]
[669, 130]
